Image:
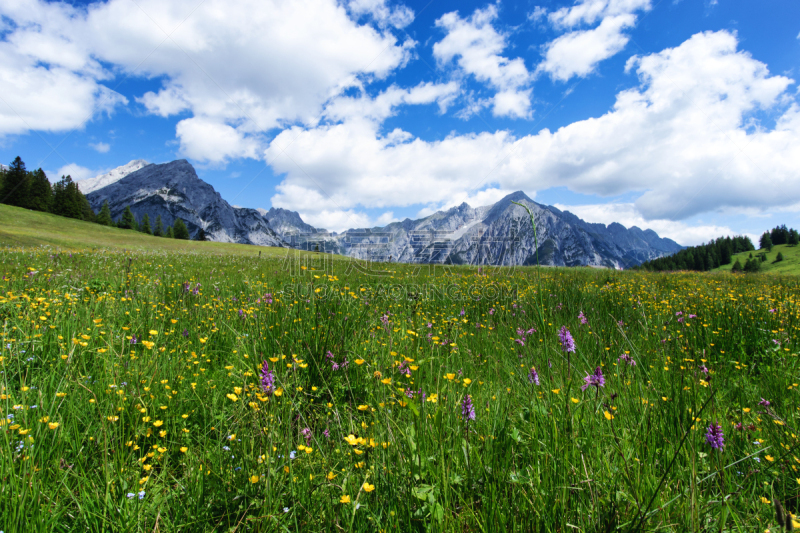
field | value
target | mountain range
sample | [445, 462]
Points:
[498, 234]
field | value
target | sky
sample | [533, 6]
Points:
[682, 116]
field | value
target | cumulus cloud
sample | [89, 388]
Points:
[398, 16]
[578, 52]
[476, 47]
[383, 106]
[100, 147]
[75, 171]
[686, 138]
[590, 11]
[251, 65]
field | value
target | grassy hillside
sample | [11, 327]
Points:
[789, 265]
[22, 227]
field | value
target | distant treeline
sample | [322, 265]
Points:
[721, 251]
[703, 257]
[32, 190]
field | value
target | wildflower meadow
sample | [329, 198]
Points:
[185, 391]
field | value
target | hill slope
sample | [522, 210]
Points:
[789, 265]
[22, 227]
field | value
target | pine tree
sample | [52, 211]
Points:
[201, 235]
[737, 266]
[40, 193]
[15, 185]
[794, 238]
[86, 210]
[145, 226]
[169, 234]
[67, 199]
[128, 221]
[179, 230]
[779, 257]
[765, 242]
[752, 265]
[159, 229]
[104, 217]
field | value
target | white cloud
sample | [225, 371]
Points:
[383, 106]
[397, 16]
[577, 53]
[101, 147]
[685, 138]
[590, 11]
[252, 65]
[476, 46]
[538, 13]
[213, 141]
[75, 171]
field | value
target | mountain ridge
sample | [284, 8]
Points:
[497, 234]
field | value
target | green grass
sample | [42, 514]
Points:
[790, 264]
[23, 227]
[128, 371]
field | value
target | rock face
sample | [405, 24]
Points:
[173, 190]
[500, 234]
[93, 184]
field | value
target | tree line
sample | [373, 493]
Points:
[32, 190]
[703, 257]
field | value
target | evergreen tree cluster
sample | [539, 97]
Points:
[779, 235]
[32, 190]
[703, 257]
[128, 221]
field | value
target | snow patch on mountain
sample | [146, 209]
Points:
[92, 184]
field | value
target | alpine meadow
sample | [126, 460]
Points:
[399, 266]
[211, 389]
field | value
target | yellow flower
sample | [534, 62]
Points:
[158, 423]
[61, 394]
[363, 407]
[309, 450]
[253, 479]
[344, 499]
[112, 418]
[359, 361]
[184, 449]
[450, 376]
[386, 381]
[232, 397]
[278, 391]
[52, 425]
[145, 419]
[143, 480]
[147, 467]
[608, 415]
[433, 398]
[331, 475]
[237, 390]
[769, 458]
[24, 431]
[467, 381]
[161, 449]
[367, 487]
[556, 391]
[765, 501]
[351, 440]
[153, 332]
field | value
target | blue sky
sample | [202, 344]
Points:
[680, 116]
